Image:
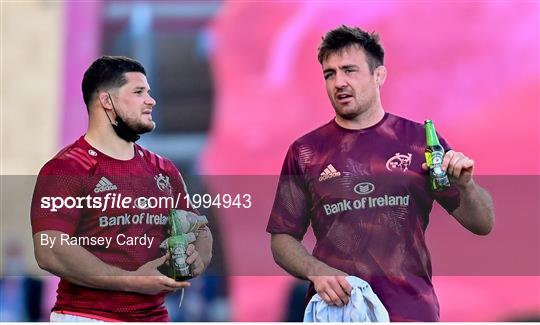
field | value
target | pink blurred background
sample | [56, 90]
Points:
[472, 67]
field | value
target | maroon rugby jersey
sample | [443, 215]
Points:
[80, 170]
[368, 200]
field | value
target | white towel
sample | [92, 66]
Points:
[363, 306]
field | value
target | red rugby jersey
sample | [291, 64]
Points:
[80, 170]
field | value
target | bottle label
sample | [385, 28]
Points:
[436, 162]
[439, 179]
[177, 248]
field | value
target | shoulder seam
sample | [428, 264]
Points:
[77, 156]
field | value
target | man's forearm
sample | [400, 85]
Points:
[290, 254]
[475, 212]
[81, 267]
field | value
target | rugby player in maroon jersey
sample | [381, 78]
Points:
[361, 183]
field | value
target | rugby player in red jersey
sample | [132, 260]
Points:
[108, 255]
[360, 181]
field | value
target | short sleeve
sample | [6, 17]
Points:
[57, 188]
[448, 199]
[290, 212]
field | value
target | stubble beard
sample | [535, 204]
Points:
[359, 109]
[347, 114]
[139, 127]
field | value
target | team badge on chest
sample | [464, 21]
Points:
[399, 162]
[163, 183]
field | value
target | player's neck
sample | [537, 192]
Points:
[362, 121]
[109, 143]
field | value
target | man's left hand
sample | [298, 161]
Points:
[458, 167]
[475, 212]
[194, 260]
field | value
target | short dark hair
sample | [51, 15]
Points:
[344, 36]
[107, 72]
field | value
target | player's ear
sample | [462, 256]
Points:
[380, 75]
[104, 99]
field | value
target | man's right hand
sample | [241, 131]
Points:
[333, 289]
[330, 283]
[148, 280]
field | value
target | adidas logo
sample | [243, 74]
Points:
[329, 172]
[104, 185]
